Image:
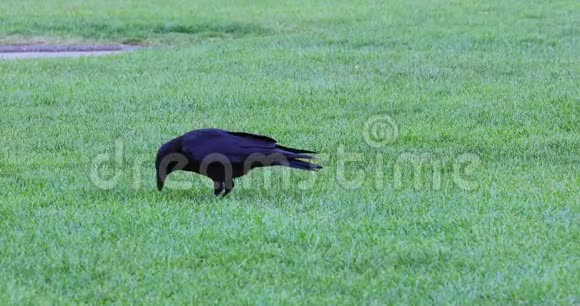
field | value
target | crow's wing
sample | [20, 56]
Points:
[255, 138]
[236, 147]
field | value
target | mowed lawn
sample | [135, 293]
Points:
[486, 93]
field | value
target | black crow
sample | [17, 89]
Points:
[223, 156]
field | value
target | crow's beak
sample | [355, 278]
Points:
[159, 184]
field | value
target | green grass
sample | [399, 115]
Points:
[497, 80]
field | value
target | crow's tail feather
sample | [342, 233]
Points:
[294, 150]
[299, 164]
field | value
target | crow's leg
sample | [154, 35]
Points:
[229, 187]
[218, 187]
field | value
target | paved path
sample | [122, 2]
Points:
[40, 51]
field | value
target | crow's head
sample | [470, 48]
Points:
[168, 160]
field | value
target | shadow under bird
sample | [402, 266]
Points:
[223, 156]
